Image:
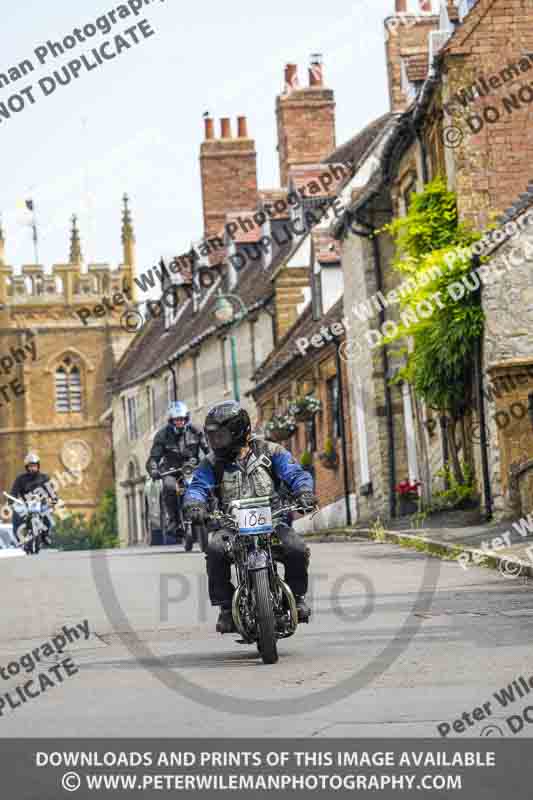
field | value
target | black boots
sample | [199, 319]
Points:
[304, 612]
[225, 622]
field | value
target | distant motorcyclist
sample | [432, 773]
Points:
[174, 444]
[244, 466]
[33, 482]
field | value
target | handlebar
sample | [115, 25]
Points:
[227, 519]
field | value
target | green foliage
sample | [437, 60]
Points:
[329, 449]
[76, 533]
[459, 493]
[306, 459]
[439, 366]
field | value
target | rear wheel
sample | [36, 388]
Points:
[266, 627]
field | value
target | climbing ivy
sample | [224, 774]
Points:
[440, 359]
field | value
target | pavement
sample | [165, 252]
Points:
[497, 545]
[399, 643]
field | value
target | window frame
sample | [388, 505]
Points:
[71, 390]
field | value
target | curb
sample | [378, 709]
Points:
[411, 539]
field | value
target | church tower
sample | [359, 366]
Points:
[59, 343]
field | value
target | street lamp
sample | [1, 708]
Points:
[225, 313]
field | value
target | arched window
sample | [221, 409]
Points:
[68, 387]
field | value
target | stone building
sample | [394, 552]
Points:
[56, 364]
[250, 235]
[469, 56]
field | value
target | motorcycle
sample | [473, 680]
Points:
[34, 529]
[263, 607]
[193, 532]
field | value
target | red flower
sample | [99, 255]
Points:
[407, 487]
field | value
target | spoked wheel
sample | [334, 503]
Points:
[266, 625]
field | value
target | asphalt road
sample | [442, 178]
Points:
[399, 643]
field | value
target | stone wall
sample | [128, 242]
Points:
[508, 351]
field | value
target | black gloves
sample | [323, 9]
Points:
[307, 499]
[196, 513]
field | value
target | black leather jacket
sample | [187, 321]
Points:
[26, 483]
[171, 448]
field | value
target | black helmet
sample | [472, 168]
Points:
[227, 427]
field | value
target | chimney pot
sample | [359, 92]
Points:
[209, 128]
[225, 128]
[291, 77]
[243, 127]
[316, 74]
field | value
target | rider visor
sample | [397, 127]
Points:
[219, 438]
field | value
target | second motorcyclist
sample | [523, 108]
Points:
[245, 466]
[174, 444]
[33, 482]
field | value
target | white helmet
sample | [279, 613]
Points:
[32, 458]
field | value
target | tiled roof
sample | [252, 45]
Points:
[522, 202]
[307, 177]
[286, 352]
[355, 148]
[153, 346]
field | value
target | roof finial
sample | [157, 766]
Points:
[75, 244]
[127, 225]
[128, 236]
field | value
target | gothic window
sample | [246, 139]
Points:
[68, 387]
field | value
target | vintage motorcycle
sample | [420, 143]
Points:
[264, 607]
[193, 531]
[35, 511]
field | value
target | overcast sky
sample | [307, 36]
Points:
[135, 123]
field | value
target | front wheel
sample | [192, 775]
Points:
[264, 610]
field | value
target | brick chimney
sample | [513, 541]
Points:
[228, 168]
[407, 40]
[305, 118]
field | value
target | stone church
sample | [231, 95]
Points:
[55, 365]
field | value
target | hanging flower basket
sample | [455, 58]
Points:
[279, 429]
[304, 408]
[329, 458]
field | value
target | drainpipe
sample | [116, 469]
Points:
[344, 445]
[174, 379]
[478, 379]
[370, 233]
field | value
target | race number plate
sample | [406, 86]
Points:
[253, 521]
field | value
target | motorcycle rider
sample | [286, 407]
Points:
[33, 481]
[174, 444]
[240, 466]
